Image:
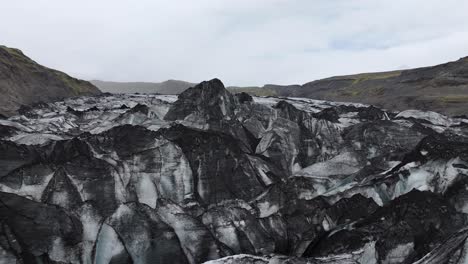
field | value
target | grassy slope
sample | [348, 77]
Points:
[23, 81]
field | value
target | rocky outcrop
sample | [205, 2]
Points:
[212, 177]
[208, 101]
[24, 82]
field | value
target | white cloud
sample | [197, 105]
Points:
[243, 42]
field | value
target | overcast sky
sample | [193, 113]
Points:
[242, 42]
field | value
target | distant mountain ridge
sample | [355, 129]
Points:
[24, 82]
[166, 87]
[441, 88]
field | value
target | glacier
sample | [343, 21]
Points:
[214, 177]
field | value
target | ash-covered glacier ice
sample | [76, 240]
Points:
[216, 177]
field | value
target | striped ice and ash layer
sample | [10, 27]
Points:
[223, 178]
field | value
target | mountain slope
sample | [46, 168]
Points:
[442, 88]
[24, 82]
[166, 87]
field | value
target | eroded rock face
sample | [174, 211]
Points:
[226, 178]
